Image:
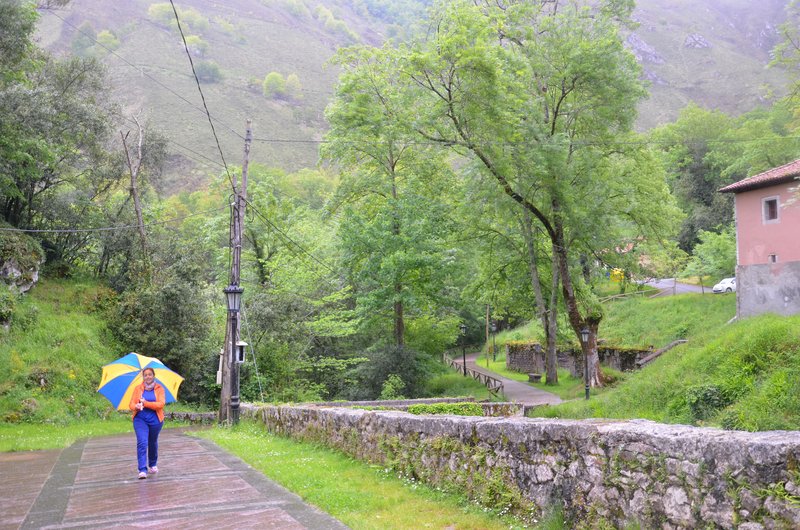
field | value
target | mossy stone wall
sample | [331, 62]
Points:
[599, 471]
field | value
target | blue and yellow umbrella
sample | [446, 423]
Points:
[123, 375]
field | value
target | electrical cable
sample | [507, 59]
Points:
[156, 81]
[202, 96]
[286, 237]
[106, 228]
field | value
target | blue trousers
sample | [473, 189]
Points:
[147, 428]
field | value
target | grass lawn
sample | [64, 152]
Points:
[360, 495]
[38, 436]
[35, 436]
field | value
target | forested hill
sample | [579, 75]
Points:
[269, 60]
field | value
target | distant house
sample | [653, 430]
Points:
[767, 212]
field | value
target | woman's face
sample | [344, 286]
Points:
[148, 377]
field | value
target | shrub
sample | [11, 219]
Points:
[293, 86]
[197, 46]
[384, 361]
[274, 85]
[108, 40]
[8, 302]
[208, 72]
[705, 400]
[392, 387]
[459, 409]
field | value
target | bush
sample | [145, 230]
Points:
[705, 400]
[107, 40]
[170, 321]
[8, 302]
[392, 388]
[459, 409]
[293, 86]
[383, 362]
[208, 72]
[274, 85]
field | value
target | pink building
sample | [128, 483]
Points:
[767, 212]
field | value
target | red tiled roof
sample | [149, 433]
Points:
[778, 175]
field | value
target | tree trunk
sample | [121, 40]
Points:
[576, 320]
[551, 356]
[399, 324]
[133, 168]
[542, 312]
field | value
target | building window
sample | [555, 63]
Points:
[771, 210]
[773, 258]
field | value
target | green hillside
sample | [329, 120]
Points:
[712, 52]
[51, 358]
[744, 375]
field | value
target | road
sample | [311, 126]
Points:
[669, 286]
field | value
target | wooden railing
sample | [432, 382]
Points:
[494, 385]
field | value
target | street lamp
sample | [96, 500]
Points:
[494, 345]
[464, 347]
[233, 297]
[584, 346]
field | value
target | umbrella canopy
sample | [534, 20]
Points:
[123, 375]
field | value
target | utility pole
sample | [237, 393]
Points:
[229, 398]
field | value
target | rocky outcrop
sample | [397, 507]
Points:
[643, 52]
[601, 472]
[695, 40]
[20, 259]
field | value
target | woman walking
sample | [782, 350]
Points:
[147, 404]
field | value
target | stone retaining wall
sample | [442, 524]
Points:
[621, 472]
[527, 357]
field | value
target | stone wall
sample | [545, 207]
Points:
[769, 288]
[528, 357]
[618, 472]
[525, 357]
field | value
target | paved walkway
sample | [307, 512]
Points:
[515, 391]
[93, 484]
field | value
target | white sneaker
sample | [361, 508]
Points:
[142, 475]
[152, 470]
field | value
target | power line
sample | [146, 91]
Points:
[107, 228]
[156, 81]
[664, 143]
[181, 146]
[286, 237]
[202, 96]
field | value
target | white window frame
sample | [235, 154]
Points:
[764, 202]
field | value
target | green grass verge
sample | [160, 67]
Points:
[32, 437]
[39, 436]
[51, 359]
[453, 384]
[742, 376]
[360, 495]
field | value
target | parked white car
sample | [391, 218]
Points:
[726, 285]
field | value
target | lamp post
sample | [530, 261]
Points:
[494, 345]
[233, 296]
[584, 346]
[464, 347]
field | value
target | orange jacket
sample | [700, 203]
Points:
[157, 405]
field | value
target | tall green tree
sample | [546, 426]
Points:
[394, 226]
[541, 98]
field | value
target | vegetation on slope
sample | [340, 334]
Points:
[51, 358]
[745, 375]
[242, 41]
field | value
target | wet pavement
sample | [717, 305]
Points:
[93, 484]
